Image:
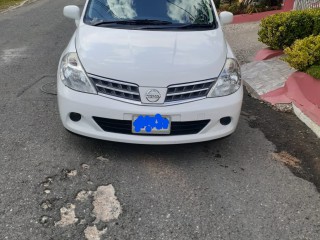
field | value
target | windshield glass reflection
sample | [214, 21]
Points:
[186, 11]
[174, 12]
[121, 9]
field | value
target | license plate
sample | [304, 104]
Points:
[157, 124]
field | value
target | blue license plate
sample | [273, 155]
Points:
[145, 124]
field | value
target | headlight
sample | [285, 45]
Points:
[229, 80]
[73, 75]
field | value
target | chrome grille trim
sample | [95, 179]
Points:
[112, 80]
[129, 92]
[116, 89]
[192, 83]
[174, 94]
[189, 91]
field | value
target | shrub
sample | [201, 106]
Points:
[303, 53]
[281, 30]
[217, 3]
[224, 7]
[316, 20]
[316, 28]
[244, 8]
[236, 8]
[314, 71]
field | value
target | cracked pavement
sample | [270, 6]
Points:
[57, 185]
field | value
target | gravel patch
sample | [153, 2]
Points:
[243, 39]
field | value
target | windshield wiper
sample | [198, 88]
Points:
[134, 22]
[193, 25]
[183, 26]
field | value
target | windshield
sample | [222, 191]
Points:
[158, 14]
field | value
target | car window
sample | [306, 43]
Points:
[174, 12]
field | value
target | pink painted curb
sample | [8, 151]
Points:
[267, 53]
[302, 90]
[254, 17]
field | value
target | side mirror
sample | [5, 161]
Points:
[72, 12]
[226, 17]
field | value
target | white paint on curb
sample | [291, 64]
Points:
[312, 125]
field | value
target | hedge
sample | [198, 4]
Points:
[280, 30]
[304, 53]
[314, 71]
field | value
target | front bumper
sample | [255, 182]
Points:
[89, 105]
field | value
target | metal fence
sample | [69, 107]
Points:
[306, 4]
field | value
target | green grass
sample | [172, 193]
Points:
[4, 4]
[314, 71]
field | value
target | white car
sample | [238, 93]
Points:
[149, 72]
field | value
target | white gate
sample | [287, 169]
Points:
[306, 4]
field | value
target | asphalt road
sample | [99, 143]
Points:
[233, 188]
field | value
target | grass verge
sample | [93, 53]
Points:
[4, 4]
[314, 71]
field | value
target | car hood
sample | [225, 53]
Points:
[151, 58]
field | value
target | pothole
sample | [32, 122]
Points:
[66, 173]
[48, 182]
[68, 216]
[47, 191]
[72, 173]
[92, 233]
[46, 205]
[82, 196]
[106, 205]
[45, 220]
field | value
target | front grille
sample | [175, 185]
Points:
[115, 88]
[125, 126]
[184, 92]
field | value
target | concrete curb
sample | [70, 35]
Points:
[275, 83]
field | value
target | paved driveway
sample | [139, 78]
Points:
[56, 185]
